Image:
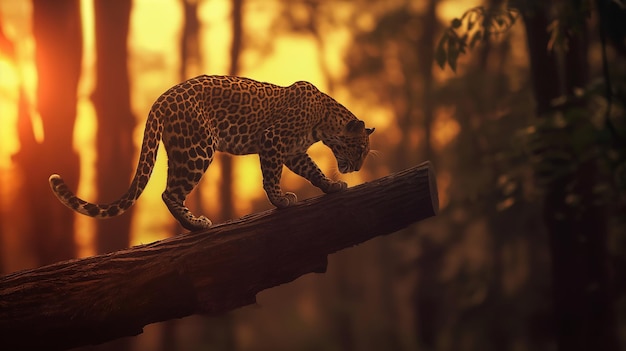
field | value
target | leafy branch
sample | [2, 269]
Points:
[572, 134]
[477, 24]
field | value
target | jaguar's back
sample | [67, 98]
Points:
[240, 116]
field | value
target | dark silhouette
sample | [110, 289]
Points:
[50, 227]
[116, 159]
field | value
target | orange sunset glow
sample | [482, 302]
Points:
[293, 57]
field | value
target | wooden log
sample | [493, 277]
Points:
[96, 299]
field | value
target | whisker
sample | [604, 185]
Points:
[376, 154]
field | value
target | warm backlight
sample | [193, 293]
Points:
[154, 66]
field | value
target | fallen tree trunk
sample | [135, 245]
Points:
[96, 299]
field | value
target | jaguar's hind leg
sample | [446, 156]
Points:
[185, 169]
[183, 215]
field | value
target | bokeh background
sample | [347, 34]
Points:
[529, 147]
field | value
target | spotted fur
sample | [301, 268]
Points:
[240, 116]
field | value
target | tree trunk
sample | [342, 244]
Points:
[190, 52]
[191, 66]
[427, 300]
[111, 98]
[226, 162]
[582, 297]
[545, 79]
[58, 36]
[96, 299]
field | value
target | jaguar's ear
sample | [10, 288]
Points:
[369, 130]
[355, 126]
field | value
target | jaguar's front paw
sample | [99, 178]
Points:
[196, 223]
[285, 201]
[335, 186]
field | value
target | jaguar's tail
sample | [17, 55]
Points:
[147, 157]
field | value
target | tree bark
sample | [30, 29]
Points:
[92, 300]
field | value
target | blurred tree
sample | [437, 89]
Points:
[7, 49]
[218, 333]
[384, 61]
[58, 36]
[190, 51]
[569, 157]
[224, 334]
[426, 57]
[392, 60]
[427, 297]
[227, 207]
[576, 221]
[111, 98]
[115, 163]
[190, 62]
[391, 63]
[471, 308]
[191, 66]
[497, 302]
[312, 19]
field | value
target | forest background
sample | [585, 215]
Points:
[523, 120]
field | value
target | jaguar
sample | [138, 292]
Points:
[237, 115]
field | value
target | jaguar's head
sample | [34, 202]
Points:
[351, 146]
